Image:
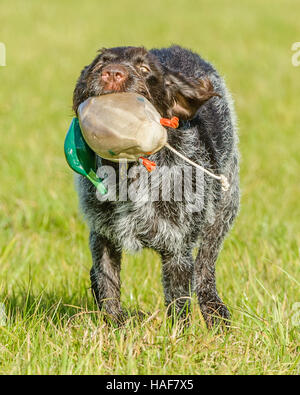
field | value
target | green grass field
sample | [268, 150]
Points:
[52, 326]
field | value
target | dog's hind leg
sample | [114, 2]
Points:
[177, 270]
[105, 275]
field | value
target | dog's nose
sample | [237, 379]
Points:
[114, 73]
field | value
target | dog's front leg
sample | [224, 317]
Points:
[177, 271]
[212, 308]
[105, 275]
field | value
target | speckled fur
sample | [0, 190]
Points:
[171, 228]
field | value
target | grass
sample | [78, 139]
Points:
[52, 326]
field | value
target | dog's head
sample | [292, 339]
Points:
[134, 69]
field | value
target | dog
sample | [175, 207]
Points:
[179, 83]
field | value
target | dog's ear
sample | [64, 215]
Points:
[187, 94]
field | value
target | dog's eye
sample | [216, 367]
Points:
[105, 59]
[144, 69]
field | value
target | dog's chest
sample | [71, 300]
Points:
[157, 225]
[150, 210]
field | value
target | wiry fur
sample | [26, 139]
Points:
[207, 137]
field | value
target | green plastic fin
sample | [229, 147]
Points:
[80, 157]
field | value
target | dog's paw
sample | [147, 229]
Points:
[139, 315]
[215, 314]
[122, 317]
